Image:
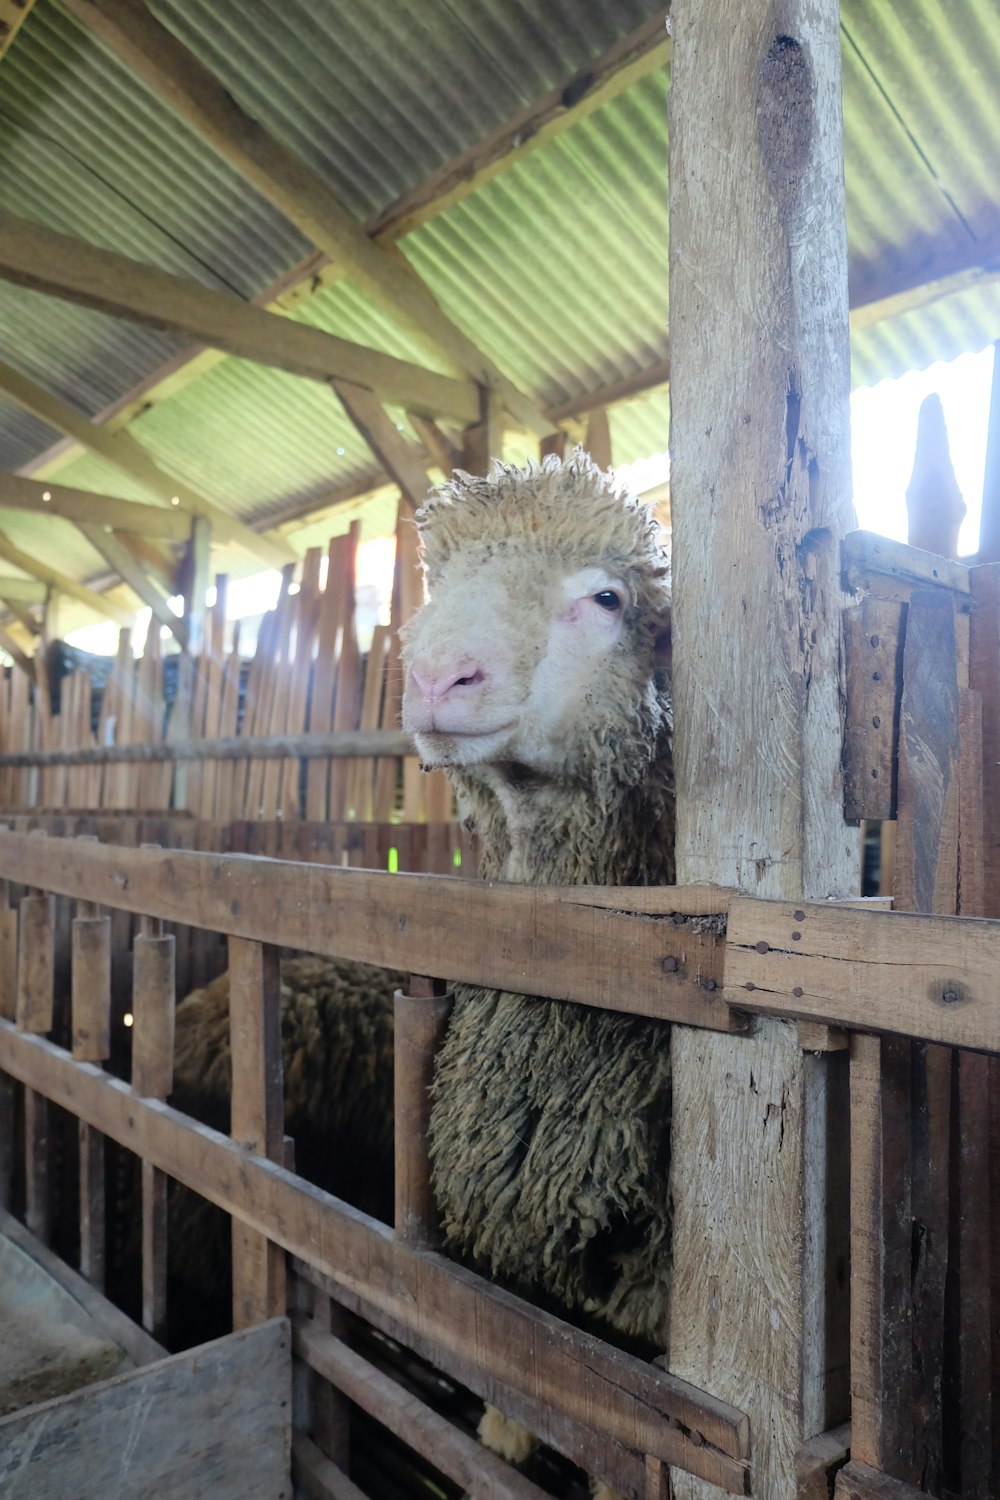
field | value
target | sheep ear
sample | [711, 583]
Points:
[663, 644]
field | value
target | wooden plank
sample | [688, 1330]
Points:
[113, 1323]
[154, 1001]
[859, 1481]
[214, 1420]
[561, 943]
[35, 961]
[818, 1461]
[420, 1021]
[598, 439]
[461, 1457]
[895, 972]
[576, 1373]
[257, 1116]
[934, 501]
[92, 1205]
[91, 968]
[877, 564]
[316, 1476]
[37, 1196]
[984, 676]
[873, 667]
[84, 506]
[881, 1312]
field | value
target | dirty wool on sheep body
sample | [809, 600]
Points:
[550, 1132]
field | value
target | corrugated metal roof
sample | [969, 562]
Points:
[557, 267]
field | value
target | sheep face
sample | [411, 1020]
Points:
[540, 645]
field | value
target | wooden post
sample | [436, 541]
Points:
[420, 1020]
[989, 529]
[933, 499]
[154, 1000]
[91, 1002]
[35, 966]
[760, 495]
[257, 1116]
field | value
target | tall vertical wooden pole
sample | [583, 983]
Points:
[760, 495]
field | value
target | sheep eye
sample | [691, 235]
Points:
[608, 600]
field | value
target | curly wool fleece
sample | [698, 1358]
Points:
[550, 1129]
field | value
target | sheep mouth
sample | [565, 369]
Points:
[461, 746]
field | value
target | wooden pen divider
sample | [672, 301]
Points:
[34, 1014]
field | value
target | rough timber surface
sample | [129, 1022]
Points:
[648, 1410]
[760, 496]
[215, 1421]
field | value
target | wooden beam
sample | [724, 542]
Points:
[129, 571]
[760, 494]
[13, 14]
[128, 455]
[106, 608]
[369, 416]
[128, 29]
[874, 300]
[33, 495]
[23, 616]
[22, 591]
[934, 501]
[17, 656]
[989, 528]
[61, 266]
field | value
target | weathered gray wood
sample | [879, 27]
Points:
[214, 1421]
[873, 642]
[626, 1398]
[760, 497]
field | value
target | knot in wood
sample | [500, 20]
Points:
[785, 115]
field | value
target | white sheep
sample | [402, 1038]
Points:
[536, 676]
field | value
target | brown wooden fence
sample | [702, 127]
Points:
[909, 995]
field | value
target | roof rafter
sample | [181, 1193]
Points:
[129, 571]
[34, 256]
[133, 34]
[40, 498]
[22, 591]
[17, 656]
[13, 14]
[102, 606]
[128, 455]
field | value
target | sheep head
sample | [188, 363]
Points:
[542, 649]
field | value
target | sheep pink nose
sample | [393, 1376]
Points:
[434, 689]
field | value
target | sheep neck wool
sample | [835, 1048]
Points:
[550, 1132]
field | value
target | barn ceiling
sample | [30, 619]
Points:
[555, 267]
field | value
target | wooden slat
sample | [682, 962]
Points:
[873, 647]
[35, 961]
[212, 1421]
[92, 1205]
[878, 565]
[455, 1453]
[118, 557]
[859, 1481]
[91, 967]
[316, 1476]
[257, 1118]
[623, 1396]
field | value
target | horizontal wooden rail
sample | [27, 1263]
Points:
[633, 1402]
[866, 556]
[620, 1467]
[934, 978]
[446, 1446]
[337, 746]
[627, 950]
